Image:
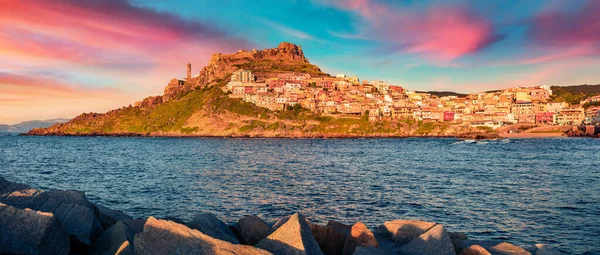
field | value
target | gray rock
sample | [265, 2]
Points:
[542, 249]
[10, 188]
[475, 250]
[292, 237]
[125, 249]
[332, 237]
[137, 225]
[108, 217]
[37, 201]
[167, 237]
[252, 229]
[209, 224]
[507, 249]
[80, 221]
[463, 244]
[24, 231]
[110, 242]
[404, 231]
[370, 251]
[71, 208]
[360, 235]
[20, 197]
[387, 244]
[279, 223]
[433, 242]
[494, 247]
[457, 235]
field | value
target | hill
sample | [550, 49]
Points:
[444, 93]
[28, 125]
[200, 107]
[574, 94]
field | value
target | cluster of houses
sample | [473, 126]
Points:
[342, 95]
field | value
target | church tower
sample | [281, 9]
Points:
[189, 71]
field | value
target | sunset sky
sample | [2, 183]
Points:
[59, 58]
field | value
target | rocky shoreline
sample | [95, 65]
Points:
[307, 136]
[34, 221]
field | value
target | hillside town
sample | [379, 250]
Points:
[344, 95]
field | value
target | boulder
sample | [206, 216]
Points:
[340, 227]
[507, 249]
[80, 221]
[167, 237]
[70, 207]
[24, 231]
[291, 237]
[433, 242]
[209, 224]
[474, 250]
[360, 235]
[542, 249]
[279, 223]
[20, 196]
[457, 236]
[137, 225]
[125, 249]
[404, 231]
[113, 238]
[108, 217]
[371, 251]
[332, 237]
[463, 244]
[252, 229]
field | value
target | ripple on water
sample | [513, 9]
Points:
[521, 191]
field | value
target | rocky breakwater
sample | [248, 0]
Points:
[34, 221]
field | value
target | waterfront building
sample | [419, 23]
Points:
[524, 112]
[545, 118]
[570, 116]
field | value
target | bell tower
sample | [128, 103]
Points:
[189, 70]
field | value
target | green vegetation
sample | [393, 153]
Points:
[573, 94]
[278, 66]
[591, 104]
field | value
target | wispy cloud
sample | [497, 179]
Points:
[105, 39]
[439, 33]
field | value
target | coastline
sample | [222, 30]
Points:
[64, 221]
[532, 135]
[319, 136]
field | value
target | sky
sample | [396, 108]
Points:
[60, 58]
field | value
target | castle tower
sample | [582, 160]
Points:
[189, 71]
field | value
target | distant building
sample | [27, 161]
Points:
[340, 76]
[448, 116]
[570, 116]
[524, 112]
[540, 94]
[544, 118]
[242, 75]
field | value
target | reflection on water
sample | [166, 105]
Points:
[523, 191]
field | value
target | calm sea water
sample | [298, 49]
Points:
[522, 191]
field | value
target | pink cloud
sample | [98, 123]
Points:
[439, 33]
[98, 42]
[111, 31]
[553, 28]
[35, 97]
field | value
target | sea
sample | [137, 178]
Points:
[522, 191]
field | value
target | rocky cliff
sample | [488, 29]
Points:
[265, 63]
